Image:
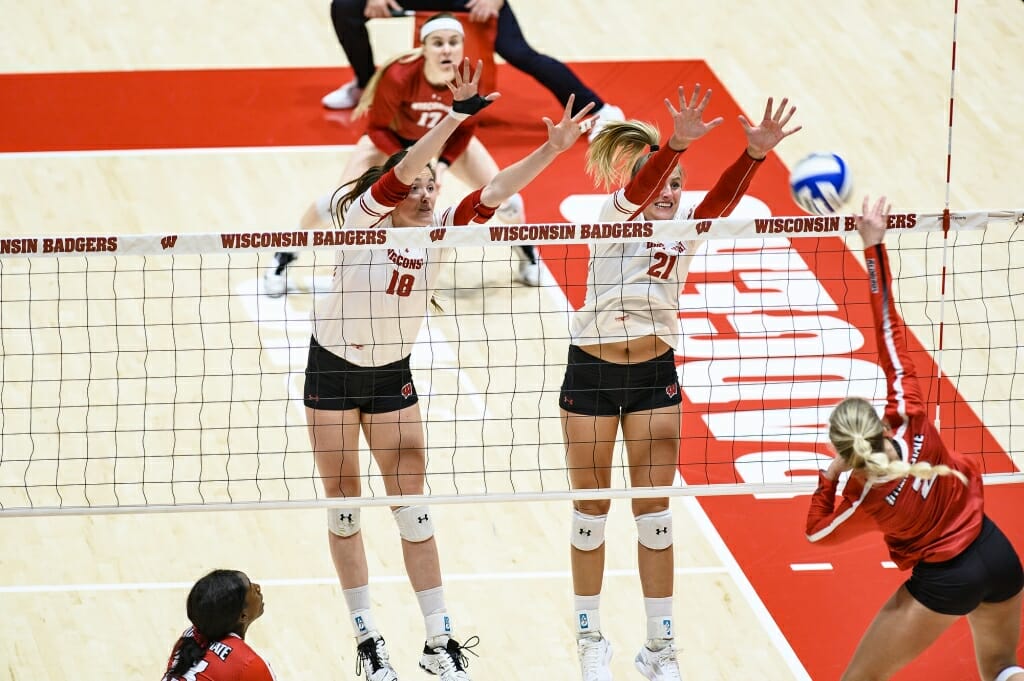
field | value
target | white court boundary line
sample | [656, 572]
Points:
[757, 606]
[178, 151]
[537, 575]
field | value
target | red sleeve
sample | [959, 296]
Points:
[829, 524]
[256, 670]
[388, 190]
[386, 103]
[458, 142]
[472, 209]
[729, 189]
[903, 392]
[645, 185]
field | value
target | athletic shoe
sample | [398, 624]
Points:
[372, 659]
[595, 654]
[448, 662]
[512, 211]
[658, 665]
[529, 273]
[275, 279]
[605, 115]
[345, 97]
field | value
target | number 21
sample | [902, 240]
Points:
[662, 267]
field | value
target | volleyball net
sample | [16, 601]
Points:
[150, 372]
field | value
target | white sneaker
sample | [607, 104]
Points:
[595, 654]
[605, 115]
[275, 279]
[529, 273]
[448, 662]
[658, 665]
[345, 97]
[513, 211]
[372, 659]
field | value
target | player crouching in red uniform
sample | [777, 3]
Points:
[934, 524]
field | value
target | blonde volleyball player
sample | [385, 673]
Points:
[621, 368]
[934, 524]
[406, 97]
[358, 376]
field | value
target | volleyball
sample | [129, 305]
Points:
[821, 183]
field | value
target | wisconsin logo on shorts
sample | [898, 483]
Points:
[672, 389]
[407, 390]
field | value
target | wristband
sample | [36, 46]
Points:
[468, 107]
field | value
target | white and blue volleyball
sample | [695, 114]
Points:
[821, 183]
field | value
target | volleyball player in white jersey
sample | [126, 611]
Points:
[358, 376]
[621, 365]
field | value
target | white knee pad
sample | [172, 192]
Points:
[654, 530]
[343, 522]
[414, 523]
[1008, 672]
[587, 530]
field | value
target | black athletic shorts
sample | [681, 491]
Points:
[334, 384]
[594, 387]
[987, 571]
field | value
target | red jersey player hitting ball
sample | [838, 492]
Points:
[926, 500]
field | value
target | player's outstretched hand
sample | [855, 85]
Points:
[564, 134]
[872, 221]
[763, 138]
[464, 87]
[687, 123]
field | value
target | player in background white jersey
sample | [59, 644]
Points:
[358, 376]
[621, 366]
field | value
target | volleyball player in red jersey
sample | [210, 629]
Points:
[406, 97]
[933, 521]
[221, 606]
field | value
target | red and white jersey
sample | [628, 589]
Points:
[633, 288]
[379, 297]
[922, 520]
[230, 659]
[406, 105]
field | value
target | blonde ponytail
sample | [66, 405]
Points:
[858, 436]
[615, 151]
[366, 100]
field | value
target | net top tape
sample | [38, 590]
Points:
[484, 235]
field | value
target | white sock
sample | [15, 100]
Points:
[659, 621]
[588, 616]
[435, 615]
[358, 601]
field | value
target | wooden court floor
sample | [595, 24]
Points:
[96, 594]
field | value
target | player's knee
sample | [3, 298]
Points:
[648, 506]
[343, 522]
[414, 523]
[587, 530]
[593, 506]
[516, 51]
[654, 530]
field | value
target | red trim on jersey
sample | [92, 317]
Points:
[727, 192]
[922, 520]
[404, 108]
[651, 177]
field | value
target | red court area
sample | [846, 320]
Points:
[821, 613]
